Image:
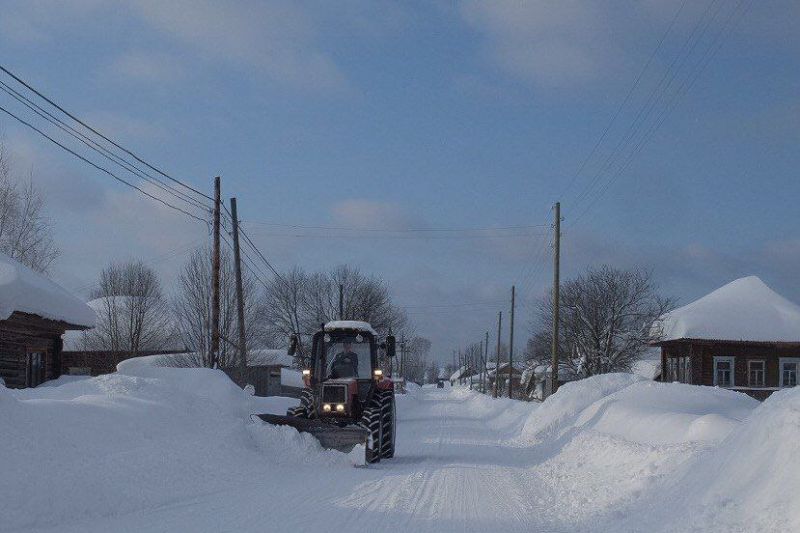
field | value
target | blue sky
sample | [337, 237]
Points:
[394, 116]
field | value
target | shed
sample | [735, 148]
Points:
[743, 336]
[270, 372]
[34, 314]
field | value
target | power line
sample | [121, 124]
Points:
[626, 99]
[90, 128]
[96, 147]
[98, 167]
[653, 99]
[687, 83]
[386, 230]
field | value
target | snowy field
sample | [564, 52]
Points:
[160, 449]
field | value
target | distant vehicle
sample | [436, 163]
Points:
[346, 400]
[440, 383]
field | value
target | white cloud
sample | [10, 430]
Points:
[147, 67]
[276, 39]
[361, 213]
[549, 43]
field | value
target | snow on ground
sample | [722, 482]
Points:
[163, 449]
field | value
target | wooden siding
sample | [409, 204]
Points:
[22, 334]
[702, 355]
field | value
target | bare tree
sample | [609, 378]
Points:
[192, 310]
[25, 233]
[132, 312]
[298, 302]
[607, 316]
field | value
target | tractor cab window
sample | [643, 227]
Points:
[348, 358]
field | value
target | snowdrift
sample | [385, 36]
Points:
[136, 439]
[750, 482]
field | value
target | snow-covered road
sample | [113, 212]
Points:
[453, 471]
[173, 450]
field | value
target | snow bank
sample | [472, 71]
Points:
[749, 482]
[559, 410]
[744, 309]
[27, 291]
[133, 440]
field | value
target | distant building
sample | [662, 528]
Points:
[743, 337]
[270, 372]
[34, 314]
[85, 352]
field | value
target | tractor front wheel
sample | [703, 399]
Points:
[306, 407]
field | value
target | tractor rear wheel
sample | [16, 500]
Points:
[372, 421]
[389, 423]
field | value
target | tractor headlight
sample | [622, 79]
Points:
[326, 408]
[340, 408]
[307, 377]
[378, 374]
[306, 373]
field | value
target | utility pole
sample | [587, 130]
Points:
[214, 359]
[485, 360]
[478, 365]
[511, 345]
[497, 361]
[341, 302]
[556, 285]
[237, 264]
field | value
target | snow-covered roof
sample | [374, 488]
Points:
[268, 356]
[350, 324]
[743, 310]
[24, 290]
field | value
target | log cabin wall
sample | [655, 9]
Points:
[22, 334]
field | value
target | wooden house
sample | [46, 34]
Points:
[743, 337]
[34, 314]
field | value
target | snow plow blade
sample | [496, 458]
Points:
[343, 439]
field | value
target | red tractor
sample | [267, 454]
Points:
[347, 400]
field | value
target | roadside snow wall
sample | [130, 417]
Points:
[132, 440]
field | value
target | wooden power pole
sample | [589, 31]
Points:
[556, 285]
[215, 266]
[237, 264]
[485, 360]
[497, 360]
[511, 345]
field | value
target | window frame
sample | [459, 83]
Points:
[763, 373]
[781, 361]
[725, 359]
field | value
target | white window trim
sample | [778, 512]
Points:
[780, 367]
[763, 368]
[721, 359]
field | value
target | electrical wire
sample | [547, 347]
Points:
[98, 167]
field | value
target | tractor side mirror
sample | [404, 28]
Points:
[292, 345]
[390, 349]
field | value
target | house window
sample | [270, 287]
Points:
[755, 373]
[723, 371]
[687, 370]
[789, 368]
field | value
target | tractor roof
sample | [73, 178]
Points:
[354, 325]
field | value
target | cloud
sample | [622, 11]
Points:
[361, 213]
[276, 39]
[146, 67]
[548, 43]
